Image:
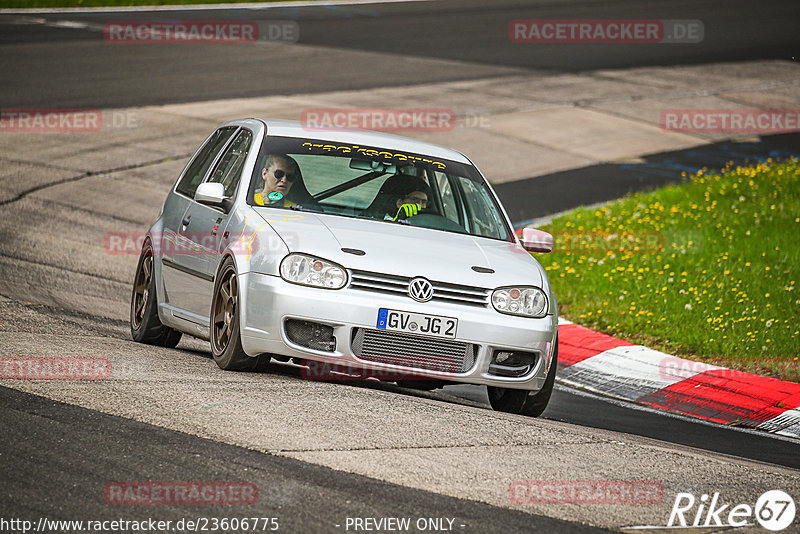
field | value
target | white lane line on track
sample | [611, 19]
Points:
[69, 24]
[203, 7]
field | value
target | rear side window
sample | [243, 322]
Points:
[199, 166]
[229, 169]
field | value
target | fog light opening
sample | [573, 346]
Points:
[315, 336]
[512, 363]
[502, 356]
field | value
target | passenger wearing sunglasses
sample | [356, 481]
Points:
[280, 172]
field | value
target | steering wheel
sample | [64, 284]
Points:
[434, 220]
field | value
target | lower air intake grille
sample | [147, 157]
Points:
[413, 351]
[312, 335]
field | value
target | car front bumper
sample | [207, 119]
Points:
[266, 302]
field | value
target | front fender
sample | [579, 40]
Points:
[253, 244]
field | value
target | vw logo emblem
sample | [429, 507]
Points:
[420, 290]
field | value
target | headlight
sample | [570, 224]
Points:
[523, 301]
[310, 271]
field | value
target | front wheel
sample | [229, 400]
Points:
[146, 327]
[226, 343]
[520, 401]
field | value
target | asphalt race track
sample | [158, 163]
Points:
[346, 47]
[319, 452]
[305, 497]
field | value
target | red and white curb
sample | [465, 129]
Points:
[616, 368]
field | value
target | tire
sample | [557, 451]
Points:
[520, 401]
[226, 341]
[146, 327]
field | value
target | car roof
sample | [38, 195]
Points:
[286, 128]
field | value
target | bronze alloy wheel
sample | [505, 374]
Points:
[141, 289]
[146, 326]
[226, 343]
[224, 311]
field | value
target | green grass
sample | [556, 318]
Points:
[709, 269]
[9, 4]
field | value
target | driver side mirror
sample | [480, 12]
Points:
[212, 194]
[537, 240]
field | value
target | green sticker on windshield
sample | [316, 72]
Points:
[275, 196]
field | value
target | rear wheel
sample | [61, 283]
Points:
[146, 327]
[521, 401]
[226, 342]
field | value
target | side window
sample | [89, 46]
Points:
[199, 166]
[228, 171]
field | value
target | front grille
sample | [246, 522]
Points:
[413, 351]
[398, 285]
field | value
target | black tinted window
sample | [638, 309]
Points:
[200, 164]
[229, 169]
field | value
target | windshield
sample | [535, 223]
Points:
[373, 183]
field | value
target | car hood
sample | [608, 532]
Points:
[404, 250]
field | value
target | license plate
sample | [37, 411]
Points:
[417, 323]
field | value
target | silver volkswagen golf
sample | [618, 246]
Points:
[350, 253]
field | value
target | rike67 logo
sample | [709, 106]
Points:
[774, 510]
